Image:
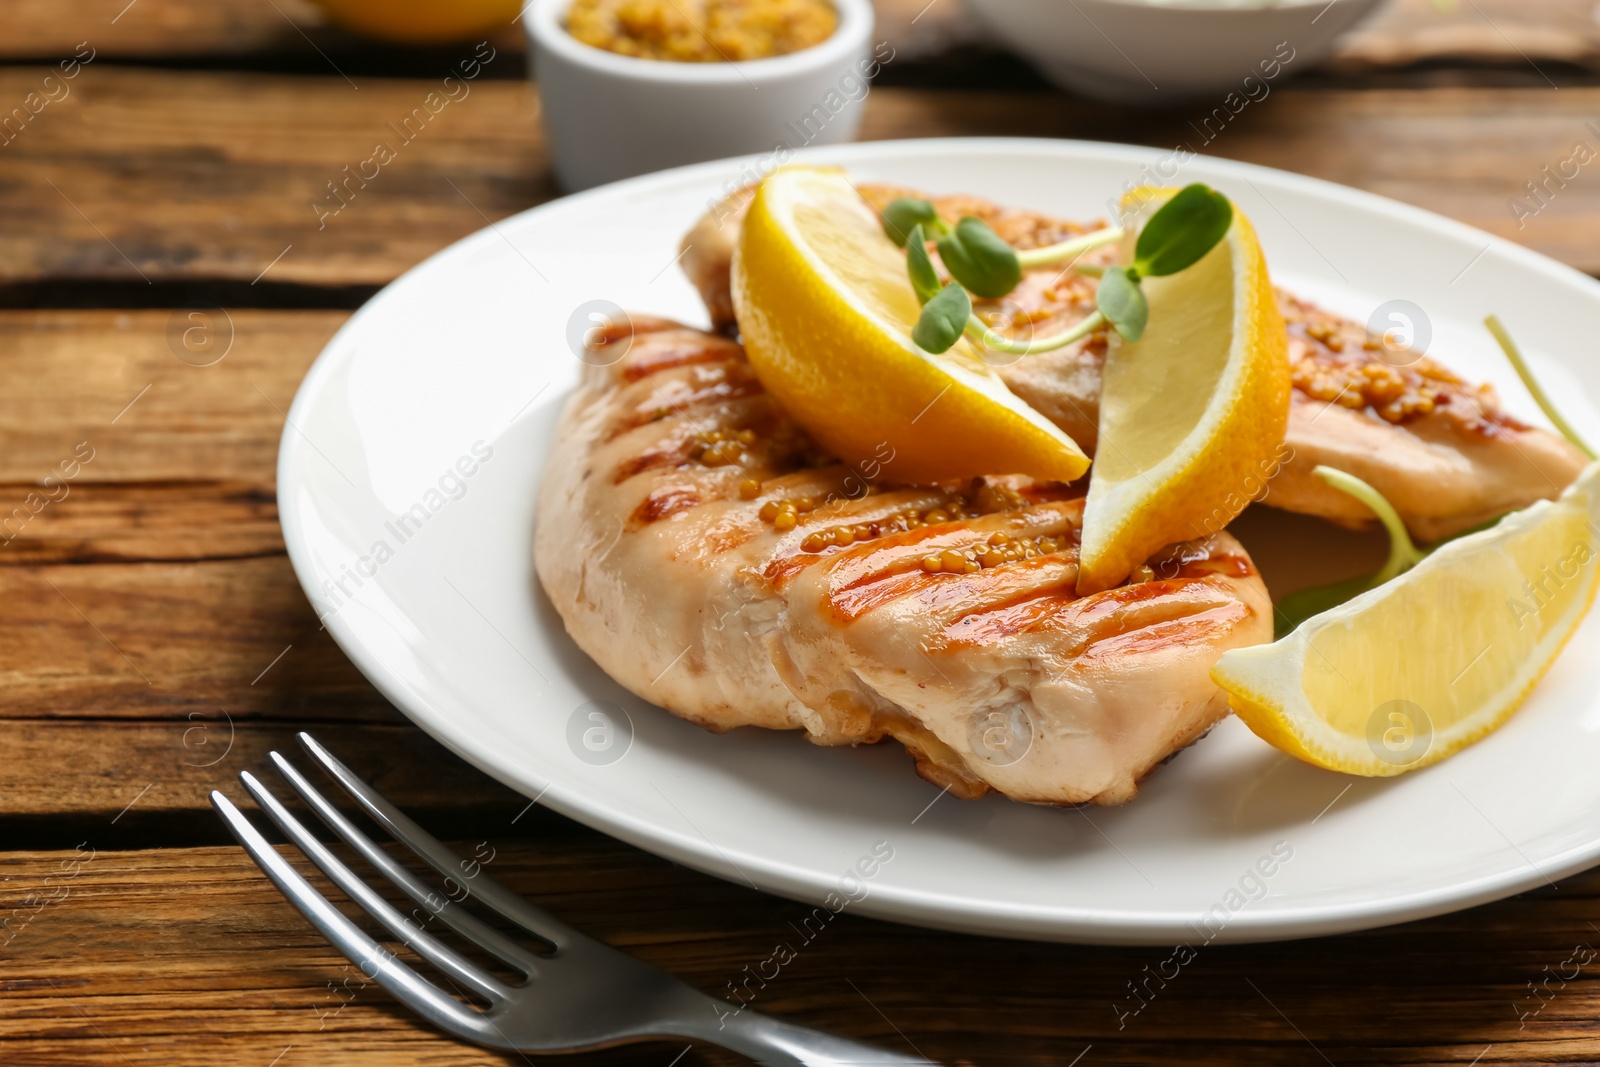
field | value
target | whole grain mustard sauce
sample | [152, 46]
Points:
[708, 31]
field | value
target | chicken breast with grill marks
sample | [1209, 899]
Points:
[703, 553]
[1442, 450]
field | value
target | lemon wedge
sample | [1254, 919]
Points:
[1191, 414]
[1420, 667]
[826, 309]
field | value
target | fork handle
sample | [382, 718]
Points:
[780, 1044]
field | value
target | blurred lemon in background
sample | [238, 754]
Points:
[421, 21]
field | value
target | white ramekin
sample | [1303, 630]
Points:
[609, 116]
[1159, 52]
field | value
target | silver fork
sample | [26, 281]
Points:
[582, 995]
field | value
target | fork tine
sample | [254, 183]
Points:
[413, 936]
[375, 961]
[463, 922]
[447, 863]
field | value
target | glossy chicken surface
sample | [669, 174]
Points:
[1442, 450]
[707, 557]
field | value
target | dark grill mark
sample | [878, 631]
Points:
[664, 356]
[1199, 628]
[652, 459]
[665, 502]
[681, 401]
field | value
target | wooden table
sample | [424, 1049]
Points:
[154, 642]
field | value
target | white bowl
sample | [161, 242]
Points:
[610, 116]
[1150, 52]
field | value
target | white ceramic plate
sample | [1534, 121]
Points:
[467, 354]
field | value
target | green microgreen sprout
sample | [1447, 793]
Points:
[991, 338]
[943, 319]
[924, 279]
[1121, 300]
[1184, 229]
[1403, 555]
[1177, 236]
[1296, 608]
[976, 257]
[905, 212]
[1514, 354]
[1070, 249]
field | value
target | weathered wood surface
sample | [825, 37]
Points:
[150, 608]
[154, 642]
[129, 387]
[186, 956]
[185, 29]
[141, 175]
[96, 770]
[1402, 33]
[190, 956]
[47, 29]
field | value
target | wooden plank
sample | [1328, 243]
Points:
[285, 30]
[1464, 153]
[47, 29]
[94, 769]
[162, 640]
[112, 448]
[98, 522]
[1403, 33]
[215, 175]
[240, 181]
[109, 389]
[168, 460]
[187, 957]
[1542, 35]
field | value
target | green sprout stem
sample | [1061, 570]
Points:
[981, 263]
[1299, 606]
[1403, 555]
[989, 337]
[1038, 257]
[1093, 270]
[1514, 354]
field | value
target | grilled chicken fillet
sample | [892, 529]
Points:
[1439, 448]
[707, 558]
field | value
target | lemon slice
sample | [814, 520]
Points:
[1416, 669]
[1192, 414]
[826, 309]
